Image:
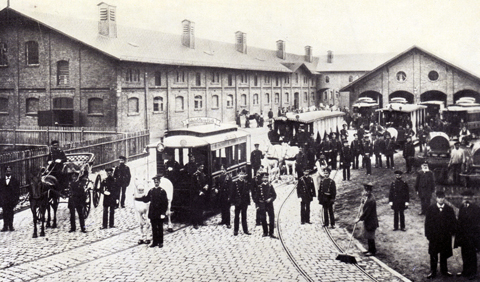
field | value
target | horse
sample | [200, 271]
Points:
[274, 156]
[42, 196]
[290, 158]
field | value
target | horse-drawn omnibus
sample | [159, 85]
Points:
[364, 111]
[464, 112]
[213, 145]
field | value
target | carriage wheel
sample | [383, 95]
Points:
[96, 191]
[88, 203]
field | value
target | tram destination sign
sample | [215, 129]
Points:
[201, 120]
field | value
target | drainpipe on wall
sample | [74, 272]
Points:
[145, 82]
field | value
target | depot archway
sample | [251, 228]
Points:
[374, 95]
[466, 93]
[402, 94]
[434, 95]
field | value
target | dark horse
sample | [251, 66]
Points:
[44, 194]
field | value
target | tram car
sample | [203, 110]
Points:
[313, 123]
[365, 111]
[437, 153]
[464, 112]
[212, 145]
[434, 110]
[396, 115]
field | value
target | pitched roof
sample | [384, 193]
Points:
[352, 62]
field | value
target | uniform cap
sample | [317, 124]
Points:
[440, 194]
[398, 172]
[122, 158]
[109, 169]
[54, 142]
[158, 176]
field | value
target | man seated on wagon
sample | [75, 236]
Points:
[56, 159]
[464, 136]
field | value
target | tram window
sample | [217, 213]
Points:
[229, 156]
[243, 152]
[236, 158]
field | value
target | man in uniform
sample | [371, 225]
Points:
[264, 197]
[76, 200]
[336, 147]
[241, 200]
[346, 157]
[422, 135]
[357, 150]
[9, 194]
[300, 162]
[172, 168]
[122, 178]
[306, 193]
[425, 186]
[224, 190]
[56, 158]
[110, 198]
[398, 199]
[369, 218]
[379, 149]
[199, 195]
[409, 153]
[389, 150]
[272, 135]
[457, 158]
[367, 154]
[440, 225]
[256, 157]
[326, 197]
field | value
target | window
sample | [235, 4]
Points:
[255, 99]
[401, 76]
[313, 96]
[198, 79]
[3, 105]
[313, 82]
[158, 78]
[350, 78]
[267, 79]
[132, 75]
[215, 77]
[287, 79]
[277, 98]
[433, 75]
[325, 97]
[230, 80]
[305, 80]
[198, 102]
[243, 100]
[327, 79]
[63, 103]
[215, 102]
[158, 104]
[133, 105]
[3, 55]
[243, 78]
[296, 78]
[277, 81]
[31, 53]
[287, 98]
[179, 106]
[305, 97]
[95, 106]
[32, 106]
[180, 77]
[255, 80]
[63, 72]
[229, 101]
[267, 98]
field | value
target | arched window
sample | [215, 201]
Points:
[305, 97]
[350, 78]
[255, 99]
[215, 102]
[3, 105]
[133, 105]
[243, 100]
[63, 72]
[198, 102]
[31, 106]
[277, 98]
[31, 52]
[158, 104]
[3, 54]
[95, 106]
[401, 76]
[158, 78]
[267, 98]
[179, 105]
[287, 98]
[229, 101]
[327, 79]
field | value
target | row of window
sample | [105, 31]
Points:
[31, 53]
[95, 105]
[402, 76]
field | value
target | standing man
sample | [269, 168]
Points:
[122, 178]
[336, 146]
[409, 153]
[158, 207]
[344, 132]
[326, 197]
[224, 190]
[199, 195]
[346, 157]
[440, 223]
[56, 158]
[425, 186]
[457, 158]
[110, 198]
[270, 116]
[379, 149]
[241, 201]
[389, 150]
[9, 194]
[367, 154]
[264, 197]
[300, 162]
[422, 135]
[306, 193]
[357, 150]
[369, 218]
[468, 234]
[76, 200]
[398, 199]
[256, 157]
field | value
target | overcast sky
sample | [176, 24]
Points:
[447, 28]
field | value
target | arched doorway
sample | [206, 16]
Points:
[402, 94]
[466, 93]
[374, 95]
[434, 95]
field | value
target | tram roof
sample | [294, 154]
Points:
[433, 102]
[365, 105]
[191, 141]
[203, 130]
[464, 108]
[310, 116]
[400, 107]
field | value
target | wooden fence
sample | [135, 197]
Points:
[106, 150]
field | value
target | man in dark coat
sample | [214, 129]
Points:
[326, 197]
[158, 207]
[199, 195]
[398, 199]
[425, 186]
[224, 190]
[272, 135]
[389, 150]
[110, 198]
[367, 154]
[378, 150]
[301, 162]
[56, 159]
[241, 200]
[409, 153]
[122, 178]
[263, 198]
[9, 194]
[336, 147]
[468, 234]
[76, 200]
[369, 218]
[346, 158]
[256, 157]
[357, 150]
[440, 224]
[344, 132]
[306, 193]
[172, 169]
[422, 135]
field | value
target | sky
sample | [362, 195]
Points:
[449, 29]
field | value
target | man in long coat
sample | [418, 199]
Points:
[241, 200]
[398, 199]
[110, 198]
[389, 150]
[346, 157]
[326, 197]
[409, 153]
[122, 178]
[369, 218]
[263, 197]
[440, 223]
[9, 194]
[468, 235]
[224, 190]
[306, 193]
[425, 186]
[256, 157]
[76, 200]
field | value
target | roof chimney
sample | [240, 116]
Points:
[329, 57]
[308, 54]
[107, 24]
[281, 49]
[188, 37]
[241, 42]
